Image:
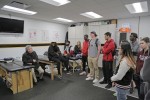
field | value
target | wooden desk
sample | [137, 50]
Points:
[18, 77]
[44, 59]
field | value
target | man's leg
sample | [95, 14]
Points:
[41, 72]
[65, 61]
[104, 73]
[34, 76]
[84, 60]
[58, 64]
[90, 63]
[109, 73]
[95, 64]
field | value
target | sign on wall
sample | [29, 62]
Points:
[125, 28]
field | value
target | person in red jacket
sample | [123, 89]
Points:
[107, 51]
[85, 54]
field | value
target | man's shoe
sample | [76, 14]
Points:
[108, 86]
[59, 76]
[103, 82]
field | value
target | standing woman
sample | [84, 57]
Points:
[142, 55]
[124, 71]
[77, 48]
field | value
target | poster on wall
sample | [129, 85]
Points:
[55, 37]
[32, 35]
[45, 36]
[125, 28]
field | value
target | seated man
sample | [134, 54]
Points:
[54, 54]
[30, 58]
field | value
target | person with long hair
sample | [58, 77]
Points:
[77, 48]
[124, 71]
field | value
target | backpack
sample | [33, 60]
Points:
[95, 42]
[114, 52]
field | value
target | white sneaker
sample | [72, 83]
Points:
[89, 75]
[95, 80]
[89, 79]
[65, 69]
[83, 73]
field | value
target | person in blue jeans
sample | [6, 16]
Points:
[124, 71]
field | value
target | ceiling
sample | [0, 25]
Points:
[109, 9]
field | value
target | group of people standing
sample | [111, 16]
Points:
[131, 54]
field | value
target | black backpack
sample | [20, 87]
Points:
[114, 52]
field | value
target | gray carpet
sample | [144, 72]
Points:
[72, 87]
[134, 94]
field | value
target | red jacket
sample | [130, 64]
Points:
[140, 60]
[107, 50]
[85, 48]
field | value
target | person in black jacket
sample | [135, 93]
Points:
[54, 54]
[30, 58]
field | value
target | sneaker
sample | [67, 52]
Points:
[65, 69]
[41, 79]
[68, 73]
[131, 91]
[103, 82]
[95, 80]
[115, 94]
[89, 79]
[59, 76]
[108, 86]
[89, 75]
[83, 73]
[34, 83]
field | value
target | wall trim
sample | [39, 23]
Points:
[24, 44]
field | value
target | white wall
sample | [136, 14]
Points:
[144, 27]
[139, 25]
[38, 26]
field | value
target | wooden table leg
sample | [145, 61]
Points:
[61, 69]
[52, 71]
[74, 65]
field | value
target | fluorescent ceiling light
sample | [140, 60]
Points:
[63, 20]
[18, 10]
[56, 2]
[91, 15]
[138, 7]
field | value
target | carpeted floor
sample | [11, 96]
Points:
[72, 87]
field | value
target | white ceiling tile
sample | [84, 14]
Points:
[109, 9]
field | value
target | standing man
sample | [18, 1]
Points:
[93, 55]
[135, 49]
[134, 43]
[30, 58]
[107, 51]
[85, 54]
